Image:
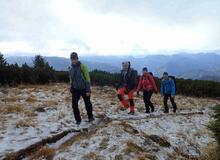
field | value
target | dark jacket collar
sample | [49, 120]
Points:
[76, 65]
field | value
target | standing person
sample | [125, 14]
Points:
[127, 86]
[148, 85]
[80, 86]
[168, 91]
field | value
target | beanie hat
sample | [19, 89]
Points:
[74, 55]
[145, 69]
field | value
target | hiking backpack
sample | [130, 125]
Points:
[174, 80]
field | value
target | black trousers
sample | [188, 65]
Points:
[76, 94]
[165, 99]
[148, 104]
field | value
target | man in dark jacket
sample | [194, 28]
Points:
[80, 86]
[168, 91]
[127, 86]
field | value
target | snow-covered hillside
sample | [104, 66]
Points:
[31, 113]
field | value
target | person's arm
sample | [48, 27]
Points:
[172, 88]
[70, 78]
[153, 83]
[87, 77]
[139, 84]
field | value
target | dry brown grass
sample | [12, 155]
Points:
[50, 103]
[11, 99]
[29, 113]
[61, 115]
[25, 123]
[68, 98]
[92, 156]
[210, 152]
[128, 128]
[139, 151]
[7, 109]
[104, 143]
[31, 99]
[44, 153]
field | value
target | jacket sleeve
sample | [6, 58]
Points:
[172, 88]
[153, 83]
[86, 73]
[70, 78]
[139, 84]
[162, 88]
[87, 77]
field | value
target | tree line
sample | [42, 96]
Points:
[42, 73]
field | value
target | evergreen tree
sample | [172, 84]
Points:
[3, 68]
[43, 71]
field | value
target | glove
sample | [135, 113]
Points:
[156, 92]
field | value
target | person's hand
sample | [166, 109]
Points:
[71, 90]
[88, 94]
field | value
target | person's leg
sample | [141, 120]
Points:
[145, 98]
[172, 100]
[75, 100]
[150, 93]
[88, 105]
[121, 97]
[165, 99]
[131, 100]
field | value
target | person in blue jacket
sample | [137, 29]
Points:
[167, 90]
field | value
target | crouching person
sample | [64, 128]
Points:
[80, 86]
[168, 91]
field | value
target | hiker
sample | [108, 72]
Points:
[148, 86]
[80, 86]
[167, 90]
[127, 86]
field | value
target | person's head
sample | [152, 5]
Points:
[145, 70]
[74, 58]
[126, 65]
[165, 75]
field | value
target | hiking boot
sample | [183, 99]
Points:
[166, 112]
[148, 112]
[174, 111]
[91, 119]
[131, 113]
[78, 123]
[152, 109]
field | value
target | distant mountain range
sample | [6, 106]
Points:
[205, 66]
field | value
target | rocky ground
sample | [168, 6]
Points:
[31, 113]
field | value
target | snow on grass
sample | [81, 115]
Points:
[31, 113]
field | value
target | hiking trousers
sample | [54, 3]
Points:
[147, 101]
[76, 94]
[165, 99]
[121, 96]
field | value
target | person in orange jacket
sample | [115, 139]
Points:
[148, 85]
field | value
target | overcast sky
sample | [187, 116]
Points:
[108, 27]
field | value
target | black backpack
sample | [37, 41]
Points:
[174, 79]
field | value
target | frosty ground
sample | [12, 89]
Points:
[31, 113]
